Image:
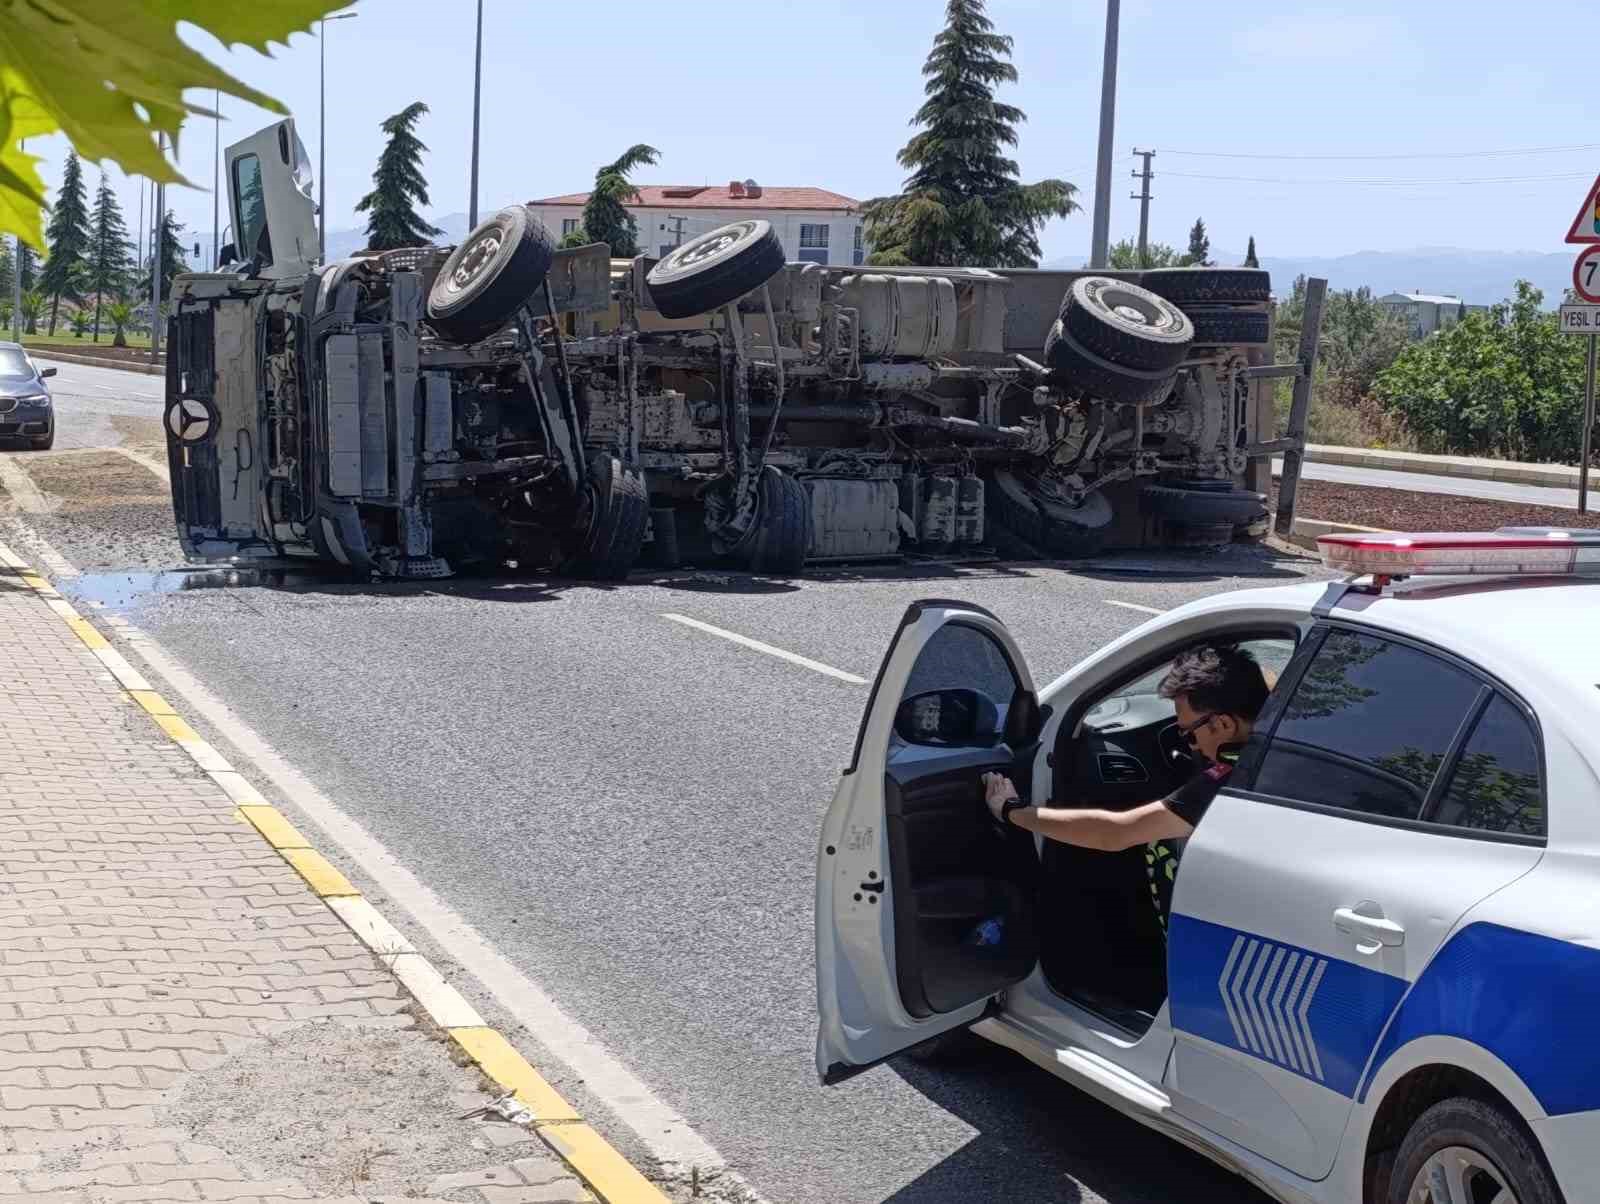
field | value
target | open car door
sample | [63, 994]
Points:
[270, 199]
[925, 906]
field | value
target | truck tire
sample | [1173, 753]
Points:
[715, 269]
[1203, 505]
[1491, 1151]
[1076, 369]
[1229, 327]
[662, 550]
[783, 525]
[609, 548]
[496, 268]
[1126, 324]
[1209, 284]
[1052, 528]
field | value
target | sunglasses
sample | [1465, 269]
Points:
[1188, 733]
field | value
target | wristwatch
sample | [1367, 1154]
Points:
[1007, 807]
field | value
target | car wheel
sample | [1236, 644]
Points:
[783, 525]
[1208, 284]
[1203, 505]
[1045, 524]
[44, 442]
[618, 507]
[1467, 1151]
[1126, 324]
[1078, 371]
[715, 269]
[496, 268]
[1229, 327]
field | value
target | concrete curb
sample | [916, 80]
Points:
[1550, 476]
[94, 361]
[1306, 531]
[603, 1170]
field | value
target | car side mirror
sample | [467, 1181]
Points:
[44, 372]
[948, 719]
[1024, 720]
[228, 254]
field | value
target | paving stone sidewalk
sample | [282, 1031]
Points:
[180, 1017]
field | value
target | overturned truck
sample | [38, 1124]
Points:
[502, 404]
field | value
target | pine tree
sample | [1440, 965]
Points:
[1199, 245]
[604, 217]
[68, 236]
[173, 260]
[28, 265]
[963, 203]
[7, 267]
[1250, 260]
[398, 187]
[110, 260]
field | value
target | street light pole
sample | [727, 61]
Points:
[216, 181]
[16, 282]
[1100, 252]
[477, 92]
[155, 257]
[322, 133]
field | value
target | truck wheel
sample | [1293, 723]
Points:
[708, 272]
[1203, 506]
[1229, 327]
[1209, 284]
[783, 525]
[1469, 1150]
[1075, 369]
[662, 550]
[1043, 523]
[610, 545]
[495, 269]
[1126, 324]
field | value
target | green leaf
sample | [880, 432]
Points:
[112, 75]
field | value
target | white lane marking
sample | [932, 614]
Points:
[1147, 610]
[21, 488]
[145, 461]
[664, 1133]
[794, 658]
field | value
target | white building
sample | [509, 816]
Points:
[815, 225]
[1428, 312]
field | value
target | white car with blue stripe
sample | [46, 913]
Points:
[1380, 978]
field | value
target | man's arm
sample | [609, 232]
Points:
[1108, 831]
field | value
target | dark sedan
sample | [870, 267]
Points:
[25, 408]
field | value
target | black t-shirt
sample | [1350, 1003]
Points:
[1189, 803]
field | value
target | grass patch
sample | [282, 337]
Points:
[67, 339]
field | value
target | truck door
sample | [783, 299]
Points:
[269, 198]
[925, 908]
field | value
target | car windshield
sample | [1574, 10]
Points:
[14, 362]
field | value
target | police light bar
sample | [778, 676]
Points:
[1510, 551]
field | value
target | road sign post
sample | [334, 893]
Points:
[1588, 431]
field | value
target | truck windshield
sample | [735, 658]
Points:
[249, 202]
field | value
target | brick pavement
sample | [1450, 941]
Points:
[148, 936]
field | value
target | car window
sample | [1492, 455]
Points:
[961, 657]
[1369, 725]
[1494, 787]
[1272, 653]
[13, 362]
[252, 206]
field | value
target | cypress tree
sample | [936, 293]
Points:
[68, 236]
[1250, 260]
[173, 260]
[604, 217]
[1199, 245]
[110, 261]
[963, 202]
[398, 187]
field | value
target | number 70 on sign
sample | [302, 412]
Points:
[1586, 274]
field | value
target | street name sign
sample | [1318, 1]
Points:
[1580, 319]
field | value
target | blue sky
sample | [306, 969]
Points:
[821, 93]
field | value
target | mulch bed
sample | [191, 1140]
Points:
[1405, 510]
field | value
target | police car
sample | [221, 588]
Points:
[1381, 978]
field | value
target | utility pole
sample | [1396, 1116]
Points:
[322, 140]
[1144, 198]
[155, 258]
[216, 181]
[16, 282]
[676, 227]
[477, 93]
[1101, 247]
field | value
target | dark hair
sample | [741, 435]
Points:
[1217, 678]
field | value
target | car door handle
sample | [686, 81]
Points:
[1369, 928]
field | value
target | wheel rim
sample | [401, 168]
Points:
[1133, 315]
[710, 245]
[475, 260]
[1458, 1175]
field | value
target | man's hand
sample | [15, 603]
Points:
[997, 789]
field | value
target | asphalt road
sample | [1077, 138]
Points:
[103, 407]
[1421, 482]
[628, 808]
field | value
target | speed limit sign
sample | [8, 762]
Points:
[1586, 274]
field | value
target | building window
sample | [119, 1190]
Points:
[569, 225]
[859, 255]
[814, 242]
[667, 248]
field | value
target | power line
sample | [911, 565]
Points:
[1379, 181]
[1478, 154]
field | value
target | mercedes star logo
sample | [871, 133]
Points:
[189, 420]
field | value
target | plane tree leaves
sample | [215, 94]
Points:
[112, 76]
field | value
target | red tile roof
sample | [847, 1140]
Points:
[692, 196]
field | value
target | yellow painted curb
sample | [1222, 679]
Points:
[497, 1058]
[85, 631]
[270, 822]
[175, 727]
[152, 702]
[608, 1174]
[318, 872]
